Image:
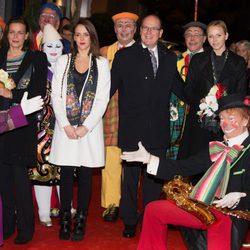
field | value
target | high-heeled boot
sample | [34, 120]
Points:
[79, 226]
[65, 225]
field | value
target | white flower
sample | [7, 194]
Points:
[203, 106]
[3, 76]
[211, 102]
[208, 106]
[6, 80]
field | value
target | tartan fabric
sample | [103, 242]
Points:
[176, 127]
[110, 122]
[110, 119]
[214, 182]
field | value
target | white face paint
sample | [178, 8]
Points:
[53, 50]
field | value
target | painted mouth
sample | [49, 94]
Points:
[226, 131]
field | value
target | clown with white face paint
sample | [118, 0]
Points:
[53, 51]
[45, 175]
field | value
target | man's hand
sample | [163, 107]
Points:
[230, 200]
[31, 105]
[70, 132]
[81, 131]
[141, 155]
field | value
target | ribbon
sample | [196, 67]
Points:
[214, 182]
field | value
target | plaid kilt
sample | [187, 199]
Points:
[176, 127]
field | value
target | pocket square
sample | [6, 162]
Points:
[239, 172]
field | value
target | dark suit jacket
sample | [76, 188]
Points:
[198, 83]
[20, 145]
[143, 99]
[238, 180]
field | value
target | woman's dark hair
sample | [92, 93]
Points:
[94, 42]
[28, 43]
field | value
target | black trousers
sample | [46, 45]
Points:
[15, 189]
[84, 180]
[151, 189]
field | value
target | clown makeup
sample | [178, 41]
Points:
[125, 29]
[232, 123]
[53, 50]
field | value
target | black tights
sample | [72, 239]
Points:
[84, 179]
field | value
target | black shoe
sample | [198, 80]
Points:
[22, 240]
[65, 222]
[111, 213]
[79, 227]
[129, 231]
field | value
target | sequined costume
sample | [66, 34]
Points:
[45, 173]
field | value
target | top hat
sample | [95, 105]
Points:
[195, 24]
[233, 101]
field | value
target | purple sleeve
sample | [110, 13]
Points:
[17, 116]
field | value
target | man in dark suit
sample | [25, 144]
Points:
[144, 75]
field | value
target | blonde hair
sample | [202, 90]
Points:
[220, 23]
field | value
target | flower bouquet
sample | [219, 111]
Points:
[6, 81]
[208, 106]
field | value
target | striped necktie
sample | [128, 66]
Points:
[153, 61]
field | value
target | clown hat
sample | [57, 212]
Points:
[233, 101]
[129, 15]
[50, 34]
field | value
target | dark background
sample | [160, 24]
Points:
[174, 14]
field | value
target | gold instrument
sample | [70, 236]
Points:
[179, 191]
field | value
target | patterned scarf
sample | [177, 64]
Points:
[214, 182]
[78, 110]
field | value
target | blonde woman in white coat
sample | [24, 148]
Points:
[80, 93]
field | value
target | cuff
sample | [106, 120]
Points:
[152, 166]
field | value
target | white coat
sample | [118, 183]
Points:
[87, 151]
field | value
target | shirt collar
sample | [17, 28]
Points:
[153, 49]
[237, 140]
[127, 45]
[189, 52]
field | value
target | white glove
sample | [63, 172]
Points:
[31, 105]
[230, 200]
[141, 155]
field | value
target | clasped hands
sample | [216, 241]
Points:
[75, 132]
[140, 155]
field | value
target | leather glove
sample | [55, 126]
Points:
[141, 155]
[31, 105]
[230, 200]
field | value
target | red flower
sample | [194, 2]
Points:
[221, 91]
[247, 100]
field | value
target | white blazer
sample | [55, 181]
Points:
[87, 151]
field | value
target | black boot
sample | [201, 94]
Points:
[65, 222]
[79, 227]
